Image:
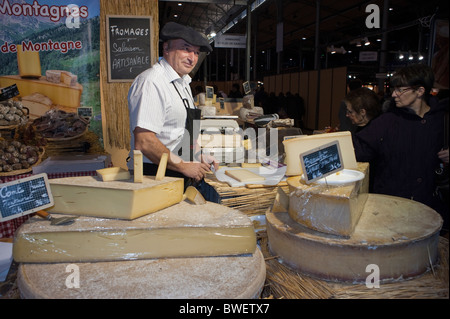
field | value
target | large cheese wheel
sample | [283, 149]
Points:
[239, 277]
[399, 236]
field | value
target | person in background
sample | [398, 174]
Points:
[405, 145]
[345, 123]
[235, 92]
[162, 110]
[363, 105]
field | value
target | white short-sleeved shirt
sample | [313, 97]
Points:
[155, 105]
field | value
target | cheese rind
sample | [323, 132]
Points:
[90, 196]
[296, 146]
[182, 230]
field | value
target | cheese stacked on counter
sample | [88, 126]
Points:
[182, 230]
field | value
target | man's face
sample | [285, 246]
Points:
[181, 55]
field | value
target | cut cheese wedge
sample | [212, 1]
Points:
[329, 209]
[90, 196]
[182, 230]
[194, 196]
[244, 175]
[299, 145]
[113, 174]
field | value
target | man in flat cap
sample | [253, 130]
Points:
[162, 110]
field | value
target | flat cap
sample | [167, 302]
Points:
[173, 30]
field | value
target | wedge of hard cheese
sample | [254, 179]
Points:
[329, 209]
[182, 230]
[90, 196]
[296, 146]
[244, 175]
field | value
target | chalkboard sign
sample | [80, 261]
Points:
[321, 162]
[129, 46]
[8, 92]
[24, 196]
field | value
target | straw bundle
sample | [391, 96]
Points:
[250, 201]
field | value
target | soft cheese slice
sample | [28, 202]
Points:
[182, 230]
[244, 175]
[296, 146]
[329, 209]
[90, 196]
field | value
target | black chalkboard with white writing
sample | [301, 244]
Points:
[129, 40]
[321, 162]
[24, 196]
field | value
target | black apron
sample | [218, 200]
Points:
[192, 114]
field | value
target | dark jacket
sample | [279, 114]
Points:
[402, 150]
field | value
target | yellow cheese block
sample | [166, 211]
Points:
[182, 230]
[28, 62]
[90, 196]
[60, 94]
[296, 146]
[329, 209]
[113, 174]
[244, 175]
[395, 238]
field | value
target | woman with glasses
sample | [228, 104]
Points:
[404, 145]
[362, 106]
